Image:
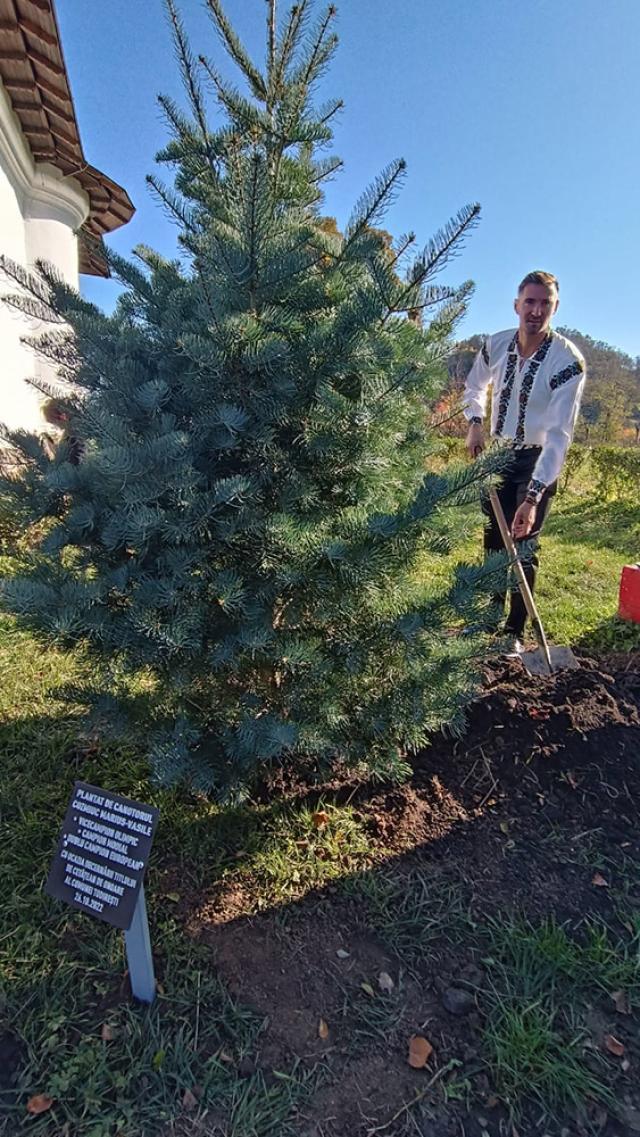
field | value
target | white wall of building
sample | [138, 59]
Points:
[39, 211]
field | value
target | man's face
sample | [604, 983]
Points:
[535, 306]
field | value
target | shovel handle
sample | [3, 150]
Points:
[523, 583]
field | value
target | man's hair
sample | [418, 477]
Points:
[547, 279]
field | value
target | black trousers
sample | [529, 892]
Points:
[511, 494]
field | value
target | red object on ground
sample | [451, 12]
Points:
[629, 606]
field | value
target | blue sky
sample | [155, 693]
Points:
[530, 109]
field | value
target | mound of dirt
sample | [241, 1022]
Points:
[563, 745]
[564, 709]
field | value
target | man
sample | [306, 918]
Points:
[537, 378]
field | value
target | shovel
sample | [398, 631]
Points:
[545, 660]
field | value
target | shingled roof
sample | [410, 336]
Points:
[33, 71]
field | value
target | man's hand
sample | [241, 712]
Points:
[475, 440]
[523, 521]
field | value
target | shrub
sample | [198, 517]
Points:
[617, 470]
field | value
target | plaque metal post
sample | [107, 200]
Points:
[139, 958]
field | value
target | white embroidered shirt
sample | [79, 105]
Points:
[535, 401]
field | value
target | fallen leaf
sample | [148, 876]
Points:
[599, 880]
[504, 827]
[368, 989]
[189, 1100]
[420, 1051]
[571, 780]
[224, 1057]
[158, 1059]
[172, 896]
[107, 1033]
[625, 1065]
[320, 819]
[621, 1000]
[342, 954]
[323, 1029]
[39, 1103]
[613, 1045]
[385, 982]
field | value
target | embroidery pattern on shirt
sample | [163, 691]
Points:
[566, 374]
[505, 393]
[485, 353]
[527, 384]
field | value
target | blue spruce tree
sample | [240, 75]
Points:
[239, 501]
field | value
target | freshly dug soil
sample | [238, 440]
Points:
[534, 811]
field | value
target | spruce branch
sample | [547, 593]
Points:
[187, 65]
[444, 245]
[176, 119]
[326, 169]
[371, 206]
[288, 43]
[130, 275]
[326, 113]
[401, 246]
[320, 50]
[441, 420]
[237, 51]
[173, 203]
[34, 309]
[26, 280]
[244, 113]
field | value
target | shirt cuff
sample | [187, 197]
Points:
[535, 490]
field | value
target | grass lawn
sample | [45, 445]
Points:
[585, 546]
[274, 925]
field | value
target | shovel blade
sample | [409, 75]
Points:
[562, 659]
